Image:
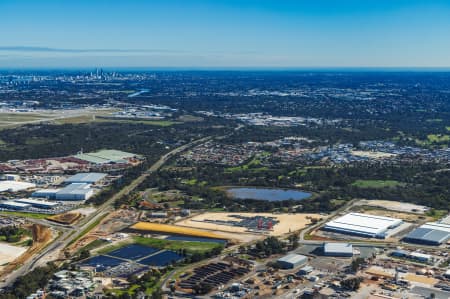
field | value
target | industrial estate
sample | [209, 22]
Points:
[144, 196]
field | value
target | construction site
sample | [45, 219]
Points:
[13, 257]
[251, 223]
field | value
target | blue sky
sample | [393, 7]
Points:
[220, 33]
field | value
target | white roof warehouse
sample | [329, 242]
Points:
[364, 225]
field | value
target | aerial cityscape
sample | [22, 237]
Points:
[169, 168]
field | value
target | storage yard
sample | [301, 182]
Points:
[267, 223]
[215, 273]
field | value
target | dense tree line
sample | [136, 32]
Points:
[41, 141]
[12, 234]
[30, 282]
[421, 183]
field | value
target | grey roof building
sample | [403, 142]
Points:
[106, 156]
[292, 261]
[431, 233]
[75, 192]
[88, 178]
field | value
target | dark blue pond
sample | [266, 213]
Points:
[195, 239]
[101, 262]
[133, 251]
[267, 194]
[162, 259]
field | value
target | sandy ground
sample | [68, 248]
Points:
[375, 155]
[421, 279]
[86, 211]
[404, 216]
[287, 222]
[395, 205]
[8, 253]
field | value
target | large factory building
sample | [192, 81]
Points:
[363, 225]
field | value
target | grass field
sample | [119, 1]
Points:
[436, 214]
[14, 119]
[376, 183]
[436, 138]
[191, 247]
[24, 116]
[94, 244]
[194, 182]
[10, 119]
[161, 123]
[253, 165]
[24, 214]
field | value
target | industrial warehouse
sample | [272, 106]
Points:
[24, 203]
[431, 233]
[86, 178]
[108, 157]
[42, 204]
[292, 261]
[79, 188]
[338, 249]
[363, 225]
[15, 186]
[72, 192]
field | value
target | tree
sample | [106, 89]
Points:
[157, 294]
[293, 239]
[202, 288]
[356, 264]
[352, 284]
[84, 254]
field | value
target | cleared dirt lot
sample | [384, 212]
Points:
[410, 217]
[8, 253]
[375, 155]
[287, 222]
[395, 206]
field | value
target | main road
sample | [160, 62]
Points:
[71, 234]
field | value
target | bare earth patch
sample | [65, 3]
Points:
[8, 252]
[287, 222]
